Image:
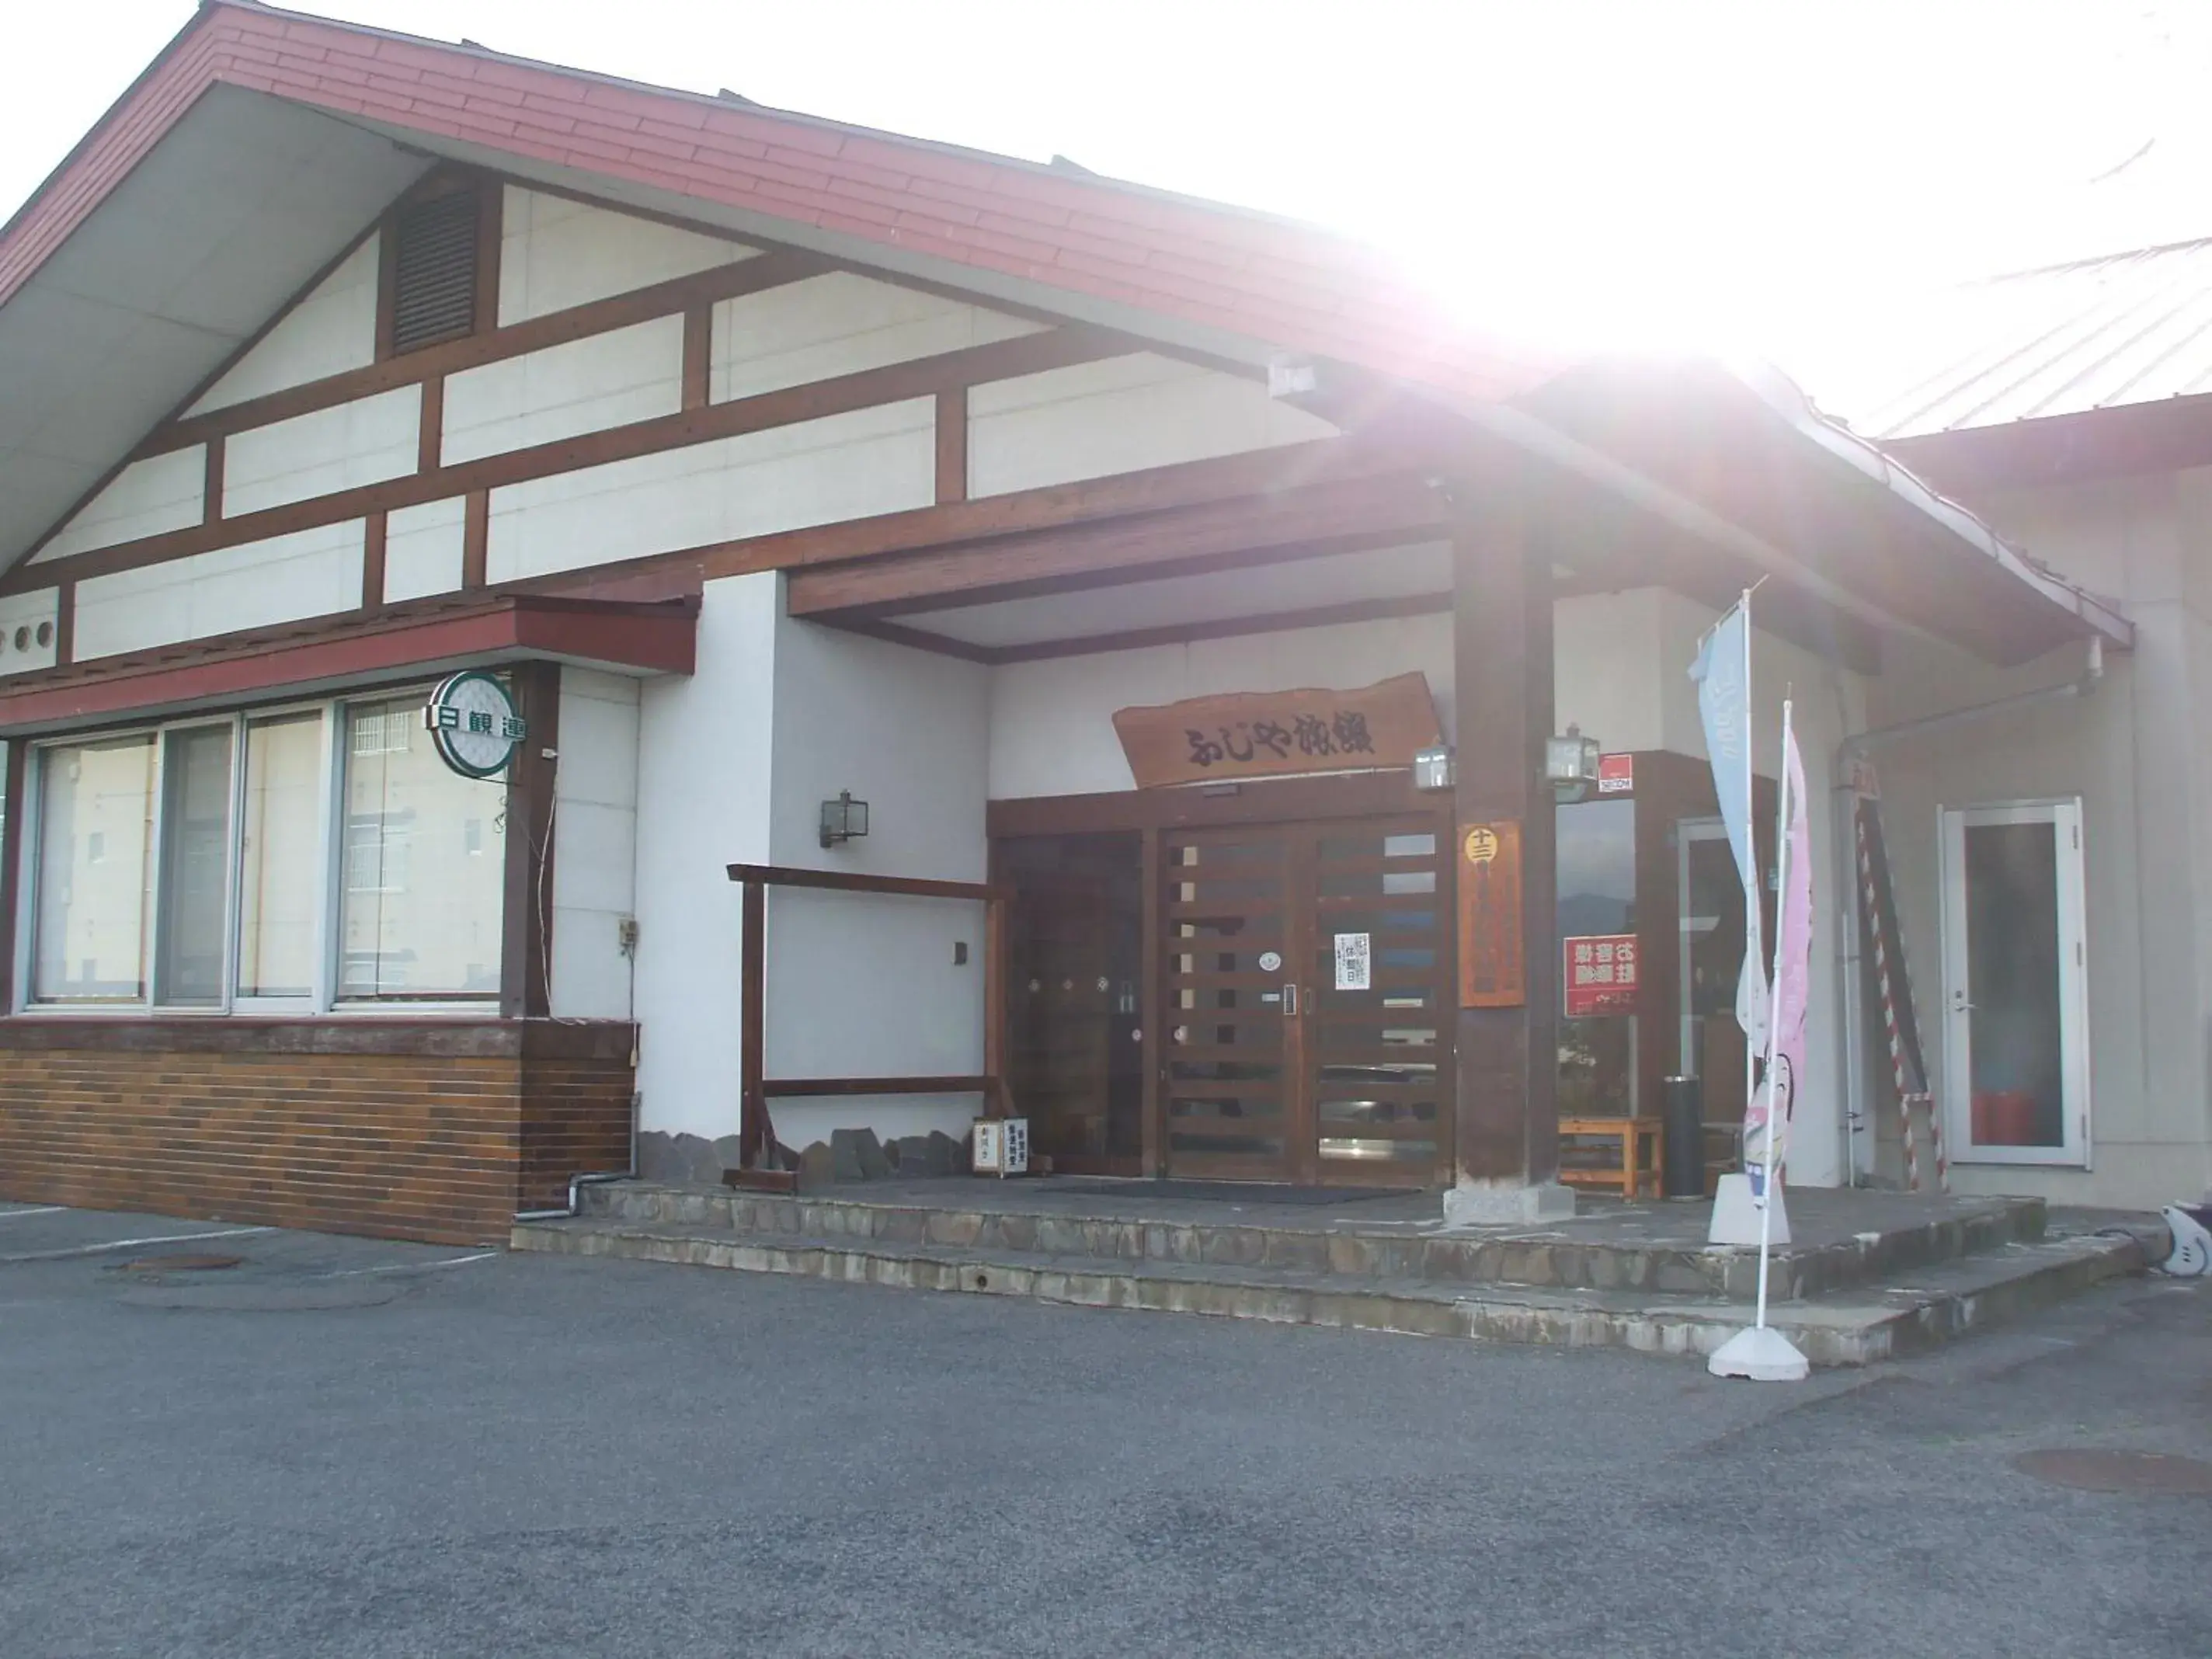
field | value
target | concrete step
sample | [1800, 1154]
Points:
[1538, 1258]
[1853, 1328]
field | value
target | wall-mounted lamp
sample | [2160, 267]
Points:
[1432, 769]
[1570, 764]
[843, 819]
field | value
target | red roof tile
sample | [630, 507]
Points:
[1289, 286]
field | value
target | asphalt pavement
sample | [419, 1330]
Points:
[348, 1446]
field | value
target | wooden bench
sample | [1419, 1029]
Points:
[1639, 1140]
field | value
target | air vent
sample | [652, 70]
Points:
[433, 283]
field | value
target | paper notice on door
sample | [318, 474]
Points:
[1352, 973]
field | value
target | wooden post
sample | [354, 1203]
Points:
[1506, 1124]
[1151, 1009]
[994, 1006]
[11, 865]
[526, 929]
[752, 1103]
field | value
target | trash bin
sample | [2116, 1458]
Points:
[1683, 1169]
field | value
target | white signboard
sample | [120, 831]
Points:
[1353, 972]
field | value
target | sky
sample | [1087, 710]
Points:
[1758, 178]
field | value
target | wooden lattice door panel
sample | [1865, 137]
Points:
[1378, 1055]
[1072, 1014]
[1233, 929]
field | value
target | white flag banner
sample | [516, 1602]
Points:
[1723, 672]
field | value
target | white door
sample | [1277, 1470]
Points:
[2015, 973]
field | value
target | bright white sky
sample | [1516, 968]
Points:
[1743, 176]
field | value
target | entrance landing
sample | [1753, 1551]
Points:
[1867, 1275]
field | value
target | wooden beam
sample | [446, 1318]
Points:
[668, 299]
[823, 1088]
[952, 445]
[372, 561]
[527, 919]
[1312, 521]
[1505, 1119]
[853, 881]
[921, 377]
[430, 437]
[476, 538]
[994, 1001]
[1152, 1127]
[698, 354]
[65, 625]
[212, 483]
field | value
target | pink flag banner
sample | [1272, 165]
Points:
[1793, 973]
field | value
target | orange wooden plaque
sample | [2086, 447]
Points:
[1259, 734]
[1491, 974]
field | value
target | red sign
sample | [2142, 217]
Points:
[1600, 974]
[1616, 774]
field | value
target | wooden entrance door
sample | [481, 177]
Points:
[1306, 1002]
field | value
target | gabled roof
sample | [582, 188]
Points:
[2064, 339]
[260, 140]
[1218, 267]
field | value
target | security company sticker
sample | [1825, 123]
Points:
[1353, 960]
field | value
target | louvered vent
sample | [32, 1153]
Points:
[434, 285]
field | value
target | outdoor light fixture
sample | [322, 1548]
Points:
[843, 818]
[1570, 764]
[1432, 769]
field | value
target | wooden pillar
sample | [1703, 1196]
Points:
[752, 1030]
[1505, 1127]
[526, 933]
[12, 905]
[995, 1060]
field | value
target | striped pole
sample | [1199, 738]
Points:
[1888, 1005]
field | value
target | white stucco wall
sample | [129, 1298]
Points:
[147, 498]
[839, 324]
[705, 745]
[2134, 751]
[595, 844]
[861, 985]
[332, 328]
[319, 453]
[309, 573]
[22, 616]
[842, 466]
[424, 549]
[626, 374]
[1122, 415]
[556, 252]
[732, 766]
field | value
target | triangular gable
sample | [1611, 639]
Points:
[1141, 253]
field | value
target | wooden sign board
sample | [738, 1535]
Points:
[1491, 974]
[1262, 734]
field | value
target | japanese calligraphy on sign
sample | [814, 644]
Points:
[1491, 974]
[1600, 975]
[1272, 733]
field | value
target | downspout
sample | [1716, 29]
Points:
[1857, 1121]
[597, 1177]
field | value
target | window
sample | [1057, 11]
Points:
[95, 871]
[421, 911]
[195, 878]
[254, 860]
[279, 890]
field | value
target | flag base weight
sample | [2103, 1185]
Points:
[1762, 1354]
[1736, 1215]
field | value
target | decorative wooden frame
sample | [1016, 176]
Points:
[755, 1133]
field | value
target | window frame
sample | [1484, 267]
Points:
[327, 999]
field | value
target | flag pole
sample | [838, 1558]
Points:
[1762, 1353]
[1774, 1023]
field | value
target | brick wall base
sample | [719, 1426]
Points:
[424, 1129]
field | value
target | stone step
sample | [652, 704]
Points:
[1552, 1259]
[1853, 1328]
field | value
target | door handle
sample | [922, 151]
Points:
[1289, 1002]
